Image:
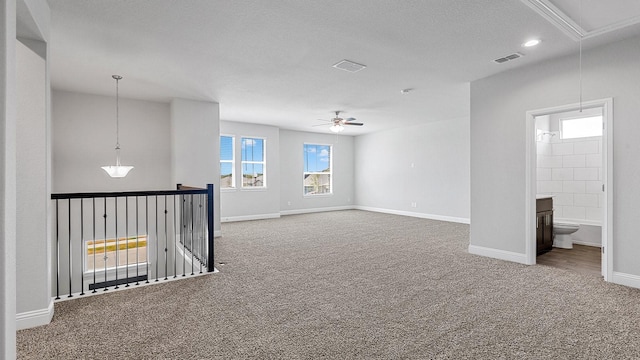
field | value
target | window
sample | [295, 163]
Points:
[581, 127]
[253, 164]
[104, 253]
[317, 169]
[227, 163]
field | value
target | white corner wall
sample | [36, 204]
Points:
[7, 180]
[260, 203]
[33, 292]
[292, 200]
[420, 171]
[498, 107]
[195, 147]
[84, 137]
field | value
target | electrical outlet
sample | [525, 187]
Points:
[289, 203]
[414, 204]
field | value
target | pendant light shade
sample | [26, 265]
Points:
[117, 170]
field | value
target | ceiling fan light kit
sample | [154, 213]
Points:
[336, 128]
[338, 123]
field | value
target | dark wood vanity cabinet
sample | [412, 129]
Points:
[544, 225]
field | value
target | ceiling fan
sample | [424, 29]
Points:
[338, 123]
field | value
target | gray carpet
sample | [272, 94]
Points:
[350, 285]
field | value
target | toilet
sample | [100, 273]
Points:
[562, 234]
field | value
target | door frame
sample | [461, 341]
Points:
[607, 179]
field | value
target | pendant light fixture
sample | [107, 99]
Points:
[117, 171]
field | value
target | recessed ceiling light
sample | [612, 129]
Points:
[532, 42]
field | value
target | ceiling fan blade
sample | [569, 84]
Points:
[321, 125]
[349, 119]
[352, 123]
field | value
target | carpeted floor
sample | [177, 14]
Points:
[350, 285]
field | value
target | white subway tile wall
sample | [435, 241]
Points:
[562, 174]
[571, 170]
[586, 174]
[544, 174]
[574, 161]
[586, 147]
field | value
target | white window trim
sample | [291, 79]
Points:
[330, 193]
[561, 124]
[233, 164]
[263, 163]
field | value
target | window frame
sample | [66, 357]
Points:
[113, 269]
[263, 163]
[561, 126]
[232, 161]
[330, 193]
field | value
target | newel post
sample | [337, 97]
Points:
[210, 257]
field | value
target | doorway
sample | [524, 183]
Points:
[551, 132]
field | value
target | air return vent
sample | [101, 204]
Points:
[508, 58]
[349, 66]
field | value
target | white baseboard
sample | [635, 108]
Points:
[626, 279]
[498, 254]
[416, 214]
[315, 210]
[34, 318]
[587, 243]
[217, 233]
[249, 217]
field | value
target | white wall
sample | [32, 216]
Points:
[498, 107]
[242, 204]
[32, 157]
[292, 200]
[195, 147]
[419, 170]
[84, 137]
[7, 180]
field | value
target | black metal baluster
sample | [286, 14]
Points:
[200, 232]
[137, 244]
[94, 245]
[210, 232]
[146, 223]
[105, 245]
[183, 234]
[70, 267]
[157, 240]
[126, 234]
[57, 254]
[175, 252]
[204, 230]
[117, 242]
[191, 206]
[82, 253]
[165, 237]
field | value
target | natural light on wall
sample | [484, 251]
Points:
[581, 127]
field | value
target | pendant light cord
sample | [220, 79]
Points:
[580, 64]
[117, 111]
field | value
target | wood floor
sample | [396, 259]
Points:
[582, 259]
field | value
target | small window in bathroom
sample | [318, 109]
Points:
[581, 127]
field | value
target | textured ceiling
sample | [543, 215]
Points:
[269, 62]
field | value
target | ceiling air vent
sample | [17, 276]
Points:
[349, 66]
[508, 58]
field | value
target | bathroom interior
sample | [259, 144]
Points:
[569, 190]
